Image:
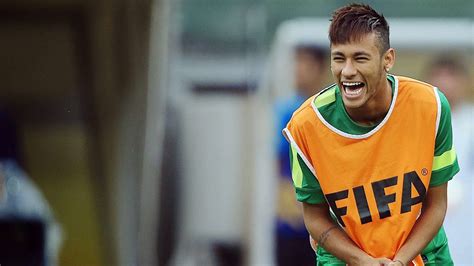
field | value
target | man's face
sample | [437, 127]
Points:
[359, 70]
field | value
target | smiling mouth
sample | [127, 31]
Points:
[353, 89]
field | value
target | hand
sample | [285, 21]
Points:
[373, 262]
[396, 263]
[384, 261]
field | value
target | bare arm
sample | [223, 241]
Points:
[427, 225]
[329, 236]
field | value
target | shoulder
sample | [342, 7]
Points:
[423, 92]
[304, 112]
[307, 110]
[445, 107]
[413, 85]
[416, 90]
[326, 96]
[407, 81]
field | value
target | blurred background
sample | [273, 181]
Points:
[147, 130]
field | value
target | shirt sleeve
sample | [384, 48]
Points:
[306, 185]
[445, 162]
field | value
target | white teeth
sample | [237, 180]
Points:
[353, 89]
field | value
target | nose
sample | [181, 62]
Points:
[348, 70]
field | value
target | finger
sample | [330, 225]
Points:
[384, 261]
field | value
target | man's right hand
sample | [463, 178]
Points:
[369, 261]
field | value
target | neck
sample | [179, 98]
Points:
[374, 111]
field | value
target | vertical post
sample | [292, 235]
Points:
[154, 133]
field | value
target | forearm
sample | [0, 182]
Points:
[329, 235]
[426, 227]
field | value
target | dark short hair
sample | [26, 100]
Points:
[350, 23]
[319, 53]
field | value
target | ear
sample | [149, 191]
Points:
[389, 59]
